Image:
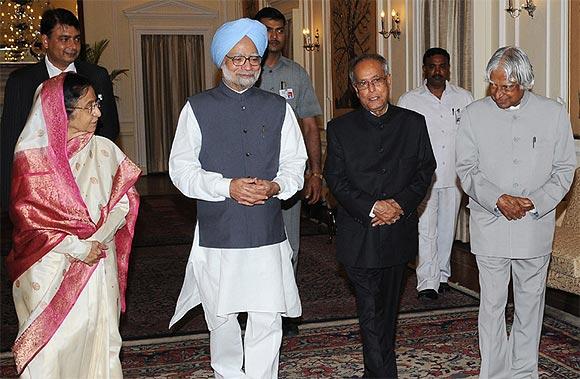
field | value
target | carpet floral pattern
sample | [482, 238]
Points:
[156, 274]
[430, 344]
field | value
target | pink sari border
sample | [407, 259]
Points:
[46, 206]
[42, 178]
[41, 330]
[43, 210]
[128, 173]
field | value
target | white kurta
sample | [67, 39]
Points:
[88, 342]
[235, 280]
[438, 212]
[442, 117]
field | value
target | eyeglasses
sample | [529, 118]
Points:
[375, 82]
[505, 88]
[90, 107]
[240, 60]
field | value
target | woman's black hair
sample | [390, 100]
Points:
[74, 87]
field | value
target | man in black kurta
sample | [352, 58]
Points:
[379, 165]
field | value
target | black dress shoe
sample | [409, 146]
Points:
[444, 287]
[289, 327]
[429, 294]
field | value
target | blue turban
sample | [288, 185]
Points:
[230, 33]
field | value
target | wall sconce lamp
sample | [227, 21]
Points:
[395, 27]
[528, 6]
[308, 45]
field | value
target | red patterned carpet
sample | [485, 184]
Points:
[163, 237]
[428, 345]
[156, 274]
[443, 345]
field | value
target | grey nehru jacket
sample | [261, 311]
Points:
[241, 137]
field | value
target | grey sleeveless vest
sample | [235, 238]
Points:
[241, 135]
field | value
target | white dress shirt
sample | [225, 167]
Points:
[54, 71]
[235, 280]
[442, 117]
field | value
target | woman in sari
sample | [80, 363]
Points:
[73, 206]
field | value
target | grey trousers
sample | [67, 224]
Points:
[515, 356]
[291, 218]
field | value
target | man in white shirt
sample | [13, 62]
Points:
[238, 150]
[441, 103]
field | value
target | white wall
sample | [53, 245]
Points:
[544, 38]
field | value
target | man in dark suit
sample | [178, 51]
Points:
[379, 165]
[61, 40]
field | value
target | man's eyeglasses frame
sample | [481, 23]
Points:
[240, 60]
[375, 82]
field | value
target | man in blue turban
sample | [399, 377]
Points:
[230, 33]
[238, 150]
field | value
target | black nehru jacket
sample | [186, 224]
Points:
[375, 158]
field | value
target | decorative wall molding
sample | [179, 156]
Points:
[564, 48]
[416, 75]
[186, 19]
[327, 107]
[169, 9]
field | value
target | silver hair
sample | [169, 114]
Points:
[365, 57]
[516, 65]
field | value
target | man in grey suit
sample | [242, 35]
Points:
[515, 159]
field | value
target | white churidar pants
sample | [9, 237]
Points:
[437, 219]
[516, 356]
[260, 350]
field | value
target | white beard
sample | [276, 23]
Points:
[238, 82]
